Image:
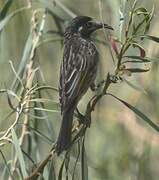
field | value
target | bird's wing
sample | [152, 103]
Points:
[78, 71]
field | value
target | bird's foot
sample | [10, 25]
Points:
[88, 120]
[81, 117]
[84, 119]
[114, 78]
[94, 87]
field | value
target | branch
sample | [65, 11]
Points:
[39, 170]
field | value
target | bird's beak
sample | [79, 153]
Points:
[100, 25]
[106, 26]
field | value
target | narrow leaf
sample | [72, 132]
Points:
[19, 153]
[141, 10]
[4, 22]
[10, 102]
[137, 70]
[137, 88]
[84, 166]
[61, 170]
[67, 161]
[44, 100]
[138, 112]
[149, 19]
[47, 110]
[65, 9]
[141, 49]
[145, 59]
[153, 38]
[41, 135]
[6, 165]
[76, 161]
[51, 171]
[24, 59]
[135, 61]
[5, 9]
[48, 4]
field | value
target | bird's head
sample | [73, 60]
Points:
[85, 25]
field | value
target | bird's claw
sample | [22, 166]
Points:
[114, 78]
[84, 119]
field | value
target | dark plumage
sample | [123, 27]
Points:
[77, 73]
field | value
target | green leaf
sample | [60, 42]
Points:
[141, 10]
[149, 19]
[45, 101]
[137, 88]
[76, 161]
[6, 166]
[153, 38]
[134, 5]
[36, 117]
[137, 70]
[61, 170]
[51, 171]
[46, 88]
[67, 162]
[29, 158]
[46, 110]
[10, 92]
[45, 173]
[65, 9]
[84, 166]
[5, 9]
[142, 24]
[41, 135]
[24, 60]
[137, 112]
[15, 73]
[141, 49]
[53, 7]
[136, 59]
[19, 153]
[4, 22]
[145, 59]
[10, 102]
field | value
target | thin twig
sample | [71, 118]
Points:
[6, 135]
[39, 170]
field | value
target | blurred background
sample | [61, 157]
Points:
[119, 145]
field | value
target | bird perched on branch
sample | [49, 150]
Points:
[77, 73]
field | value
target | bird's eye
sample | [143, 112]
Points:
[89, 24]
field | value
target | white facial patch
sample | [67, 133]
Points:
[80, 28]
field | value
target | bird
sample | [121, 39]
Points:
[77, 71]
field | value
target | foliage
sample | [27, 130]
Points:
[30, 99]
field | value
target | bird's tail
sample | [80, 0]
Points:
[64, 138]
